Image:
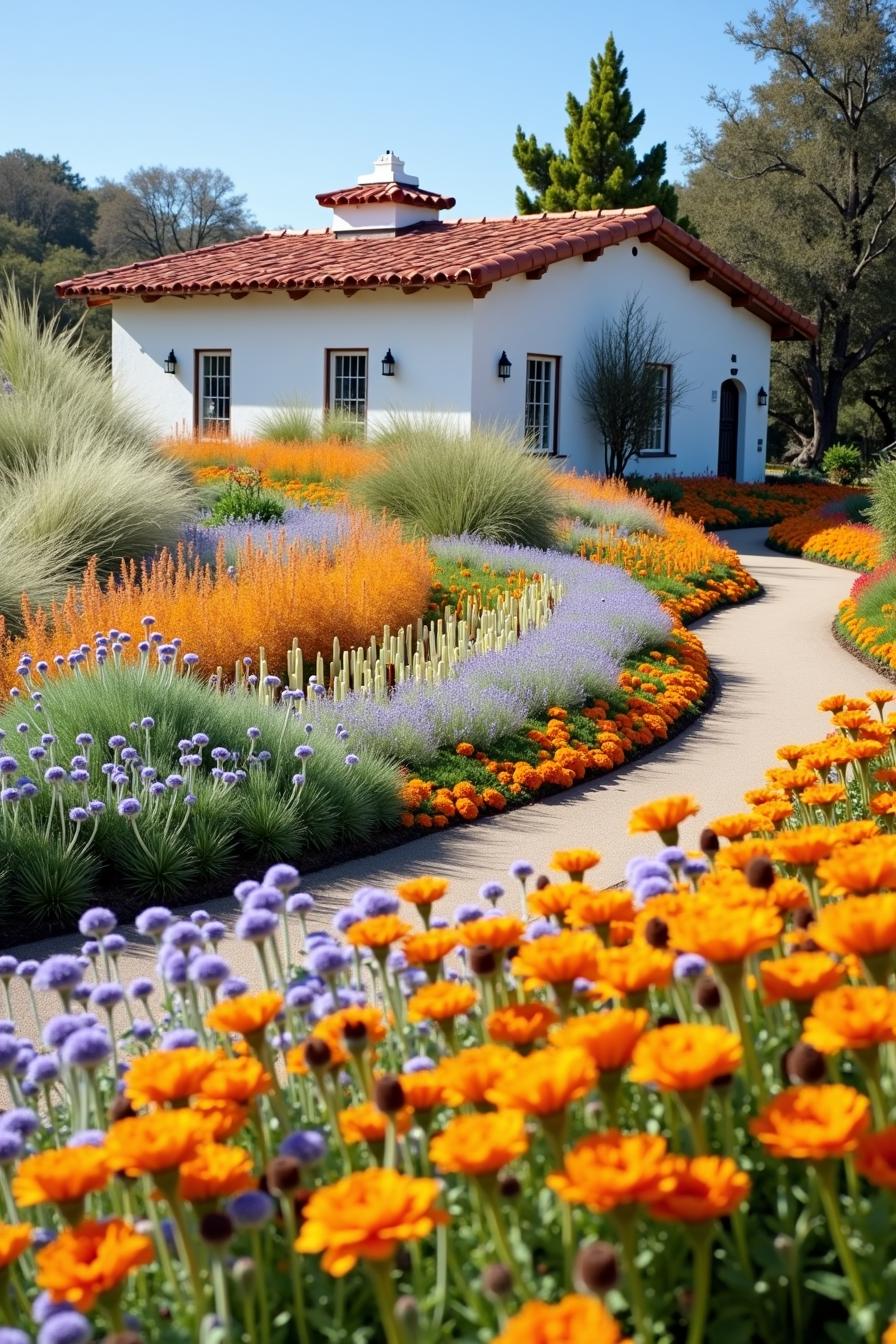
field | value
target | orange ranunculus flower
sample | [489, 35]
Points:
[332, 1027]
[545, 1082]
[377, 932]
[575, 1319]
[590, 908]
[852, 1017]
[498, 933]
[155, 1143]
[608, 1037]
[60, 1176]
[91, 1259]
[222, 1117]
[441, 1000]
[800, 976]
[805, 847]
[366, 1123]
[520, 1023]
[876, 1157]
[633, 969]
[14, 1239]
[864, 926]
[814, 1123]
[664, 815]
[558, 959]
[216, 1170]
[685, 1057]
[422, 890]
[367, 1216]
[724, 933]
[576, 862]
[238, 1080]
[247, 1014]
[553, 899]
[860, 869]
[422, 949]
[424, 1090]
[162, 1076]
[478, 1145]
[701, 1188]
[468, 1075]
[610, 1170]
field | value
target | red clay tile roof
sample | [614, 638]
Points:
[393, 193]
[476, 253]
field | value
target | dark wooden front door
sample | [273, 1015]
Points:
[729, 405]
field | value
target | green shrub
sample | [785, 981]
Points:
[882, 510]
[243, 500]
[842, 463]
[659, 488]
[441, 481]
[343, 427]
[80, 473]
[288, 424]
[624, 516]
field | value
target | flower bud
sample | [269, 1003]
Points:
[707, 995]
[721, 1081]
[317, 1053]
[407, 1314]
[709, 841]
[803, 918]
[667, 1020]
[355, 1036]
[596, 1268]
[759, 872]
[656, 932]
[216, 1227]
[388, 1094]
[244, 1272]
[542, 882]
[804, 1064]
[509, 1187]
[497, 1281]
[283, 1174]
[120, 1108]
[482, 961]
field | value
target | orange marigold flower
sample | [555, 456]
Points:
[805, 847]
[608, 1037]
[800, 976]
[237, 1080]
[332, 1028]
[862, 925]
[664, 815]
[465, 749]
[876, 1157]
[823, 795]
[441, 1000]
[736, 826]
[480, 1144]
[610, 1170]
[422, 949]
[60, 1176]
[155, 1143]
[881, 697]
[852, 1017]
[545, 1082]
[722, 934]
[216, 1170]
[575, 1319]
[700, 1188]
[424, 1089]
[859, 869]
[222, 1118]
[367, 1216]
[468, 1076]
[576, 862]
[553, 899]
[376, 932]
[590, 908]
[91, 1259]
[162, 1076]
[814, 1123]
[559, 959]
[520, 1023]
[422, 890]
[366, 1123]
[14, 1239]
[633, 969]
[685, 1057]
[788, 893]
[497, 933]
[245, 1015]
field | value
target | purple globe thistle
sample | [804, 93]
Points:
[200, 917]
[90, 949]
[114, 944]
[303, 752]
[233, 987]
[214, 931]
[419, 1064]
[7, 1026]
[116, 742]
[60, 1027]
[299, 997]
[87, 1138]
[282, 876]
[96, 807]
[87, 1048]
[153, 921]
[540, 928]
[352, 760]
[305, 1146]
[689, 965]
[182, 934]
[8, 764]
[28, 968]
[141, 987]
[173, 966]
[65, 1327]
[8, 967]
[265, 898]
[299, 902]
[344, 919]
[373, 901]
[209, 970]
[328, 959]
[10, 795]
[465, 914]
[220, 754]
[94, 923]
[256, 925]
[55, 774]
[180, 1038]
[174, 781]
[141, 1030]
[78, 815]
[21, 1120]
[106, 996]
[81, 993]
[491, 892]
[648, 887]
[43, 1070]
[244, 889]
[11, 1146]
[695, 867]
[60, 972]
[252, 1209]
[11, 1334]
[84, 740]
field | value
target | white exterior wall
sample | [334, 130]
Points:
[552, 316]
[446, 346]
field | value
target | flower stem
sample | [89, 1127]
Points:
[627, 1226]
[380, 1276]
[827, 1189]
[702, 1278]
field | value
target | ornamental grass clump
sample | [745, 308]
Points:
[443, 481]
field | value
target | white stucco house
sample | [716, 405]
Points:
[392, 308]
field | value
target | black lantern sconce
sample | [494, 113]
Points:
[504, 367]
[762, 397]
[170, 364]
[388, 364]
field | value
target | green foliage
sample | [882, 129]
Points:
[623, 516]
[48, 886]
[842, 463]
[662, 489]
[244, 500]
[80, 472]
[878, 594]
[292, 423]
[600, 167]
[343, 427]
[441, 481]
[882, 510]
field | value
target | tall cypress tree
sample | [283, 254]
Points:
[600, 167]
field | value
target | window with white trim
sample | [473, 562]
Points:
[213, 391]
[347, 383]
[657, 444]
[540, 412]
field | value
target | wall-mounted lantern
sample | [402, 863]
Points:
[388, 364]
[170, 365]
[762, 397]
[504, 367]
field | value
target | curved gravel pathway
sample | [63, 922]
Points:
[774, 658]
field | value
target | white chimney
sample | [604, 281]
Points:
[384, 201]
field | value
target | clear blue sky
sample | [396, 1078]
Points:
[292, 97]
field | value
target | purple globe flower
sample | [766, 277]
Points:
[214, 931]
[672, 855]
[87, 1138]
[60, 972]
[299, 997]
[328, 959]
[233, 987]
[173, 966]
[182, 934]
[299, 902]
[114, 943]
[106, 996]
[647, 887]
[153, 921]
[281, 875]
[689, 965]
[256, 925]
[142, 1030]
[10, 1147]
[209, 969]
[265, 898]
[180, 1038]
[86, 1048]
[94, 923]
[90, 949]
[521, 869]
[540, 928]
[21, 1120]
[252, 1209]
[200, 917]
[305, 1146]
[65, 1327]
[344, 919]
[8, 967]
[373, 901]
[78, 815]
[60, 1027]
[244, 889]
[129, 807]
[695, 867]
[419, 1064]
[10, 1334]
[465, 914]
[141, 987]
[491, 892]
[43, 1070]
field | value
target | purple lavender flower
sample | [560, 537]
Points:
[87, 1048]
[60, 972]
[305, 1146]
[97, 921]
[256, 925]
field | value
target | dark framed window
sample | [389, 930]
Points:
[658, 440]
[346, 383]
[541, 406]
[211, 395]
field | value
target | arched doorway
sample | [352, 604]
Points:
[729, 421]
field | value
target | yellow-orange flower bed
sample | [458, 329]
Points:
[818, 536]
[719, 503]
[279, 463]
